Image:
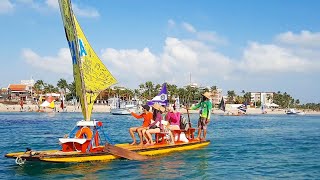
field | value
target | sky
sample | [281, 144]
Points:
[249, 45]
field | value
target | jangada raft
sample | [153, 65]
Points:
[87, 146]
[87, 141]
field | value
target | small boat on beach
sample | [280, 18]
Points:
[88, 141]
[294, 112]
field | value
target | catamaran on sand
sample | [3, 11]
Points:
[87, 141]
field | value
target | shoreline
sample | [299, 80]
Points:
[106, 109]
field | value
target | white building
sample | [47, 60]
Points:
[263, 97]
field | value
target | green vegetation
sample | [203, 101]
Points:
[186, 94]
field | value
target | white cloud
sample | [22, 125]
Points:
[129, 65]
[53, 4]
[85, 12]
[211, 37]
[171, 23]
[188, 27]
[61, 63]
[6, 6]
[206, 36]
[304, 39]
[179, 58]
[290, 53]
[44, 6]
[269, 58]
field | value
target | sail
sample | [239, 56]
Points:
[51, 105]
[161, 98]
[90, 74]
[243, 107]
[222, 105]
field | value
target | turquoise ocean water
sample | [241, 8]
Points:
[242, 147]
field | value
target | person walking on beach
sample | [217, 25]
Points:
[21, 104]
[147, 116]
[205, 107]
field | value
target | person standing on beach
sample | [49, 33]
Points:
[147, 116]
[21, 104]
[205, 107]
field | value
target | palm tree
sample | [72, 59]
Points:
[231, 96]
[72, 89]
[63, 85]
[38, 86]
[49, 88]
[172, 91]
[149, 87]
[247, 97]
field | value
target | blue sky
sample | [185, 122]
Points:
[236, 45]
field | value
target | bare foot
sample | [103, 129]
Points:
[133, 143]
[141, 144]
[197, 139]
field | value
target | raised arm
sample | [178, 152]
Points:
[138, 116]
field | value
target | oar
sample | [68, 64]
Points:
[188, 115]
[125, 153]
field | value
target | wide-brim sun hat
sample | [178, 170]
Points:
[207, 95]
[159, 107]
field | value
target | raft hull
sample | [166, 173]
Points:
[59, 156]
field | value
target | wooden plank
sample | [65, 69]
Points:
[125, 153]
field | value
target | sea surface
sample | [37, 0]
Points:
[242, 147]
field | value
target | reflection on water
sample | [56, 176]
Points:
[164, 168]
[65, 170]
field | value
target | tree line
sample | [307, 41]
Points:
[187, 94]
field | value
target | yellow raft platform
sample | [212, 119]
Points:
[59, 156]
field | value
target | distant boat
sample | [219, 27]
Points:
[294, 112]
[120, 107]
[242, 110]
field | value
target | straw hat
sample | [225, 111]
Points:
[158, 107]
[207, 95]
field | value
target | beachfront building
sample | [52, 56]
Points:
[217, 96]
[22, 91]
[262, 97]
[18, 91]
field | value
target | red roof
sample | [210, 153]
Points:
[17, 87]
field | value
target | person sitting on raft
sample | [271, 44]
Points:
[173, 117]
[147, 116]
[156, 126]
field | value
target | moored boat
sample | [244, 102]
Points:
[294, 112]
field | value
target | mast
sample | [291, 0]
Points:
[79, 61]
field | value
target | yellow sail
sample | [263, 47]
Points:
[90, 74]
[51, 105]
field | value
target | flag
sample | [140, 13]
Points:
[222, 105]
[161, 98]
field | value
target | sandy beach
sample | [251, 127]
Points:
[106, 108]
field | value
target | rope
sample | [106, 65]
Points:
[106, 137]
[20, 161]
